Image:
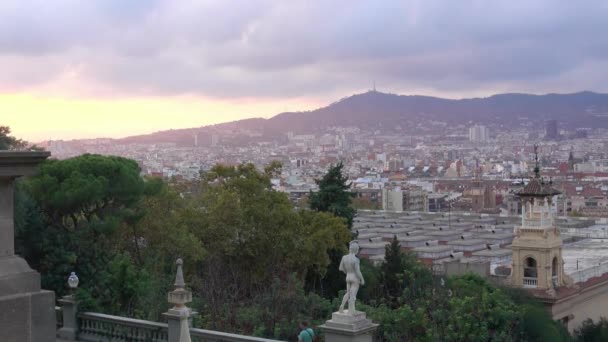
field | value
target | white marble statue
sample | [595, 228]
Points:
[354, 278]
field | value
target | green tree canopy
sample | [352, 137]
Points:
[334, 195]
[8, 142]
[74, 215]
[254, 237]
[591, 331]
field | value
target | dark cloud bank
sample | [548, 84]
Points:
[310, 48]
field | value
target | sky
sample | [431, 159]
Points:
[113, 68]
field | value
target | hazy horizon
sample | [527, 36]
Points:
[187, 121]
[111, 68]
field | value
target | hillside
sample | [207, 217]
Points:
[376, 109]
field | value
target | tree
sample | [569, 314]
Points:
[334, 195]
[74, 214]
[392, 270]
[253, 238]
[7, 142]
[589, 331]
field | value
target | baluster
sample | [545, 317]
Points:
[123, 333]
[112, 330]
[148, 335]
[136, 334]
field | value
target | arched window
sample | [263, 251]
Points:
[554, 267]
[530, 270]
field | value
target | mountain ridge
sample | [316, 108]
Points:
[377, 109]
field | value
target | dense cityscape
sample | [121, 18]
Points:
[441, 166]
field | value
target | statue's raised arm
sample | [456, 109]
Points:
[350, 265]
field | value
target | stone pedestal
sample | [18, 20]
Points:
[178, 317]
[343, 327]
[27, 313]
[179, 327]
[69, 307]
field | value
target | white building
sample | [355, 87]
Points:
[479, 133]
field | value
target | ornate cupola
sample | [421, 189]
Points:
[537, 246]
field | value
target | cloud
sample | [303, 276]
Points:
[235, 49]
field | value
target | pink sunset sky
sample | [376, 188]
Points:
[113, 68]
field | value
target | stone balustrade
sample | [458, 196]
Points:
[96, 327]
[201, 335]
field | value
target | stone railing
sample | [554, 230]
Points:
[588, 273]
[96, 327]
[201, 335]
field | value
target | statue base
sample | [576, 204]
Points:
[344, 327]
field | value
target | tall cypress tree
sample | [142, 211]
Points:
[334, 195]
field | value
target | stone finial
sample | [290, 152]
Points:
[179, 314]
[179, 296]
[179, 276]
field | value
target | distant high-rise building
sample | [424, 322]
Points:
[551, 132]
[215, 139]
[479, 133]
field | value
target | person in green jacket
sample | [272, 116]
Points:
[307, 334]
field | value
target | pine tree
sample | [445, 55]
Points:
[392, 269]
[334, 195]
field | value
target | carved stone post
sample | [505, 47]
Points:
[178, 316]
[69, 308]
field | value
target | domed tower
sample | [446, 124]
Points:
[537, 246]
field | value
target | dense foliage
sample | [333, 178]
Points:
[247, 251]
[8, 142]
[334, 195]
[82, 215]
[591, 331]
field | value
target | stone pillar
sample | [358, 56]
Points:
[344, 327]
[27, 313]
[7, 229]
[178, 316]
[69, 307]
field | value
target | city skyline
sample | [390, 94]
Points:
[150, 65]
